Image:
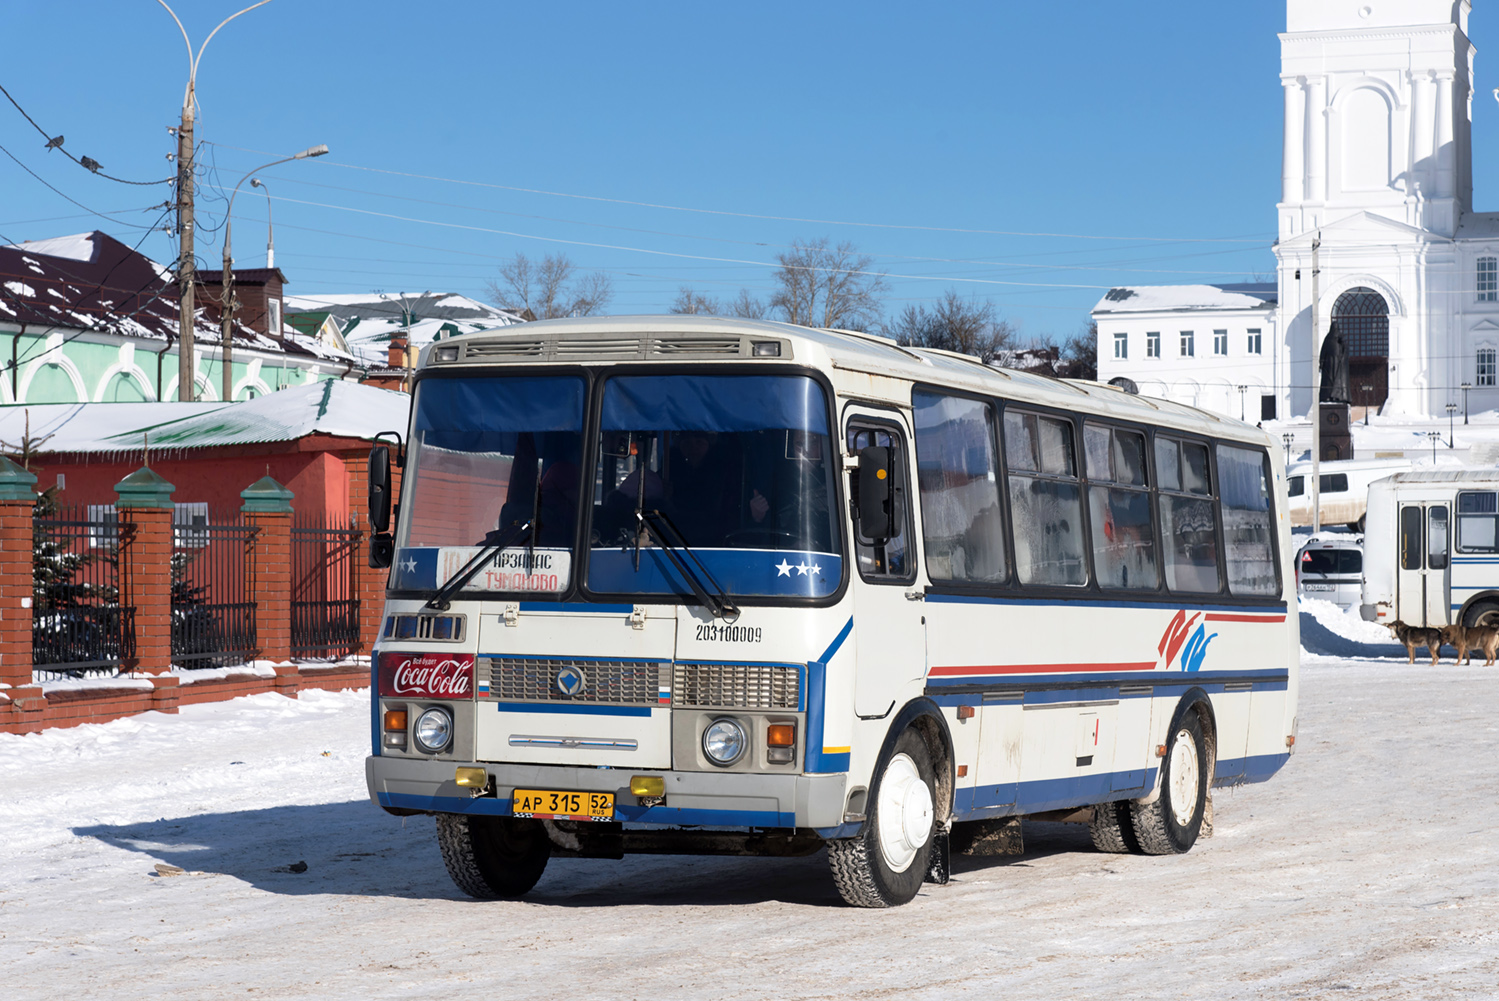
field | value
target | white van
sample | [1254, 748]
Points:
[1331, 567]
[1431, 551]
[1344, 489]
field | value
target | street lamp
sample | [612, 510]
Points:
[270, 224]
[1241, 390]
[1288, 438]
[1369, 391]
[226, 298]
[1465, 387]
[186, 390]
[1434, 437]
[1451, 409]
[406, 317]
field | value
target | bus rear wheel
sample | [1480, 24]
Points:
[1170, 825]
[1113, 830]
[493, 857]
[886, 864]
[1481, 613]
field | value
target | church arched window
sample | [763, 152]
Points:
[1362, 317]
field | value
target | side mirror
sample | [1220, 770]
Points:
[379, 499]
[382, 550]
[875, 490]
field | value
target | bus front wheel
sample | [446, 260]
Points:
[1170, 825]
[492, 857]
[886, 864]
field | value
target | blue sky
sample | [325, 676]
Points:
[1148, 135]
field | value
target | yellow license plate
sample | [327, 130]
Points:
[544, 804]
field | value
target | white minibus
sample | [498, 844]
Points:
[1431, 550]
[1344, 491]
[698, 585]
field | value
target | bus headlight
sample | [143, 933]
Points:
[434, 730]
[724, 742]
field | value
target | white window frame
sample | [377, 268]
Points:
[1485, 366]
[1253, 343]
[1220, 343]
[1121, 345]
[1486, 278]
[1188, 344]
[1152, 344]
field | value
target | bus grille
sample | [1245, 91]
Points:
[737, 686]
[615, 682]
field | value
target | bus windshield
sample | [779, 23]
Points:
[488, 454]
[741, 468]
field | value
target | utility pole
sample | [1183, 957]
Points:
[1316, 397]
[186, 275]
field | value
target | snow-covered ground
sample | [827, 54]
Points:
[1368, 868]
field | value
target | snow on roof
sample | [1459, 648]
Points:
[1176, 298]
[1449, 475]
[332, 407]
[78, 247]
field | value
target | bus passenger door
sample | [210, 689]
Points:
[889, 630]
[1425, 543]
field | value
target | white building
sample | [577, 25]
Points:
[1377, 163]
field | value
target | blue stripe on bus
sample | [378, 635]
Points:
[663, 815]
[375, 705]
[1180, 601]
[816, 760]
[582, 708]
[1092, 691]
[575, 606]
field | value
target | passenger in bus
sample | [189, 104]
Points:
[557, 504]
[701, 487]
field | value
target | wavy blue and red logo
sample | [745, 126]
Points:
[1180, 637]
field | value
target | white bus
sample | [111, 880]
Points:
[1344, 493]
[1431, 551]
[699, 585]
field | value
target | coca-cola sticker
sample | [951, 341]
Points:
[427, 675]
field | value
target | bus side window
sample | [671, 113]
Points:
[1436, 539]
[1477, 522]
[1189, 517]
[956, 475]
[1119, 508]
[888, 562]
[1410, 538]
[1244, 488]
[1045, 500]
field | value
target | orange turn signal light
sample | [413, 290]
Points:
[965, 712]
[1290, 740]
[395, 719]
[1160, 750]
[781, 734]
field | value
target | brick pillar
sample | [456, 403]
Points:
[16, 500]
[268, 507]
[145, 499]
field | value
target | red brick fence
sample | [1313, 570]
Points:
[246, 593]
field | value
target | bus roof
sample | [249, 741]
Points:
[697, 338]
[1465, 475]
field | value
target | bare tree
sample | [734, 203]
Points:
[822, 286]
[695, 303]
[547, 289]
[747, 307]
[953, 323]
[1080, 354]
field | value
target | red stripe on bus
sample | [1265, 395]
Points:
[1223, 617]
[949, 672]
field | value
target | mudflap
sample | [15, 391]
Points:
[939, 868]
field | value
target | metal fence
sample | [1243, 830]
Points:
[213, 618]
[79, 629]
[324, 588]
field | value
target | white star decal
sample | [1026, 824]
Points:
[816, 569]
[802, 568]
[783, 569]
[409, 566]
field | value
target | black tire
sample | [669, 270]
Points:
[865, 872]
[1112, 830]
[1170, 825]
[1358, 526]
[493, 857]
[1478, 612]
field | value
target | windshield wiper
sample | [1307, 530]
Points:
[502, 540]
[717, 601]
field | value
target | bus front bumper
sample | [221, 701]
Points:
[693, 799]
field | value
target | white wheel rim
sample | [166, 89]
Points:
[1184, 777]
[903, 813]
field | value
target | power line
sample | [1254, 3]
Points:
[754, 215]
[48, 136]
[102, 215]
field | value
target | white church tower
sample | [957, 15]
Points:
[1377, 159]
